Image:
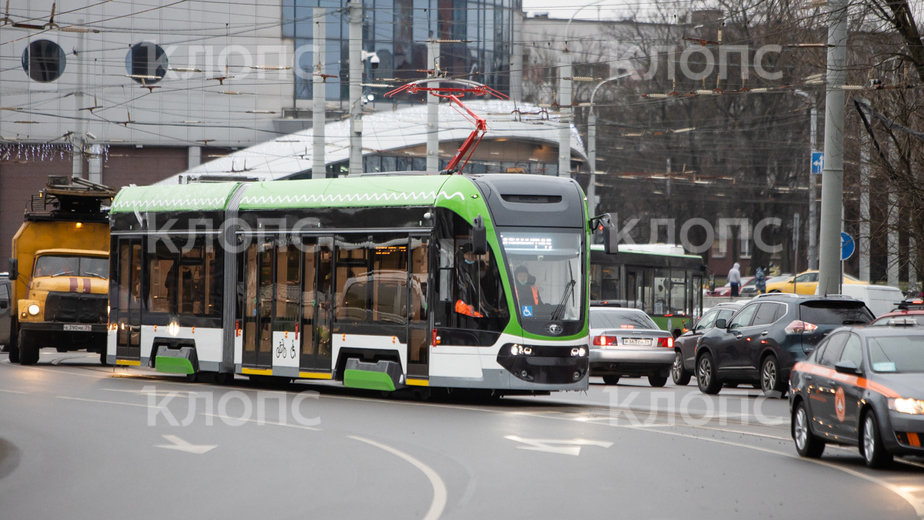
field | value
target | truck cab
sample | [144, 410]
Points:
[60, 272]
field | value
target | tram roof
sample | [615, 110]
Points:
[174, 197]
[367, 191]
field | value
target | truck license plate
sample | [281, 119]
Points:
[76, 327]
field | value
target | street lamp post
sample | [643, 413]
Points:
[592, 146]
[564, 81]
[813, 210]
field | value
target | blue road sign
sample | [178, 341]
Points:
[818, 162]
[848, 246]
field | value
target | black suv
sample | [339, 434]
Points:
[685, 344]
[767, 336]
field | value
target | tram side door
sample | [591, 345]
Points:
[127, 315]
[259, 295]
[418, 337]
[317, 307]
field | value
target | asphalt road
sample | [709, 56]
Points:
[81, 441]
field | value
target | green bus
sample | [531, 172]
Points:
[379, 281]
[659, 279]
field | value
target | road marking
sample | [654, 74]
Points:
[439, 488]
[101, 401]
[260, 422]
[11, 391]
[558, 446]
[902, 491]
[181, 445]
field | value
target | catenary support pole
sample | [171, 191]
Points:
[356, 89]
[433, 126]
[319, 101]
[832, 179]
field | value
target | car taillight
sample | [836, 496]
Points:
[799, 326]
[604, 341]
[666, 342]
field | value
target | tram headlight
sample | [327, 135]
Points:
[520, 350]
[34, 309]
[173, 328]
[578, 352]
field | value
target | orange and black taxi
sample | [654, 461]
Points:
[862, 386]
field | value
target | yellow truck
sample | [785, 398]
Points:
[60, 271]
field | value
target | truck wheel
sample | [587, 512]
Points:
[14, 353]
[28, 350]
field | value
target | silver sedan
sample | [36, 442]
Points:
[628, 343]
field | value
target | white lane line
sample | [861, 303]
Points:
[916, 503]
[231, 420]
[61, 370]
[100, 401]
[11, 391]
[439, 488]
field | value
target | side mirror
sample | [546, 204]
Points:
[605, 224]
[14, 268]
[721, 323]
[847, 367]
[479, 237]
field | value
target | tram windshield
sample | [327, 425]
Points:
[547, 272]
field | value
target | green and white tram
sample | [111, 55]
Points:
[381, 282]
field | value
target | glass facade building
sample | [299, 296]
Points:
[480, 33]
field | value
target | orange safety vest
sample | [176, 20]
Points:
[535, 291]
[468, 310]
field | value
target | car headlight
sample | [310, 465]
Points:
[909, 406]
[34, 309]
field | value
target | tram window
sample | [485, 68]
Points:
[162, 273]
[372, 279]
[288, 282]
[192, 281]
[420, 259]
[188, 281]
[125, 272]
[215, 282]
[482, 278]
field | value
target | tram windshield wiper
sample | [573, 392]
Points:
[560, 310]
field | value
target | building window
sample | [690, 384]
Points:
[146, 63]
[43, 61]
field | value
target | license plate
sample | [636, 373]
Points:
[76, 327]
[642, 342]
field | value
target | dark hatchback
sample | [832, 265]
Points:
[767, 336]
[685, 344]
[863, 386]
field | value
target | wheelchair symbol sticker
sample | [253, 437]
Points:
[527, 311]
